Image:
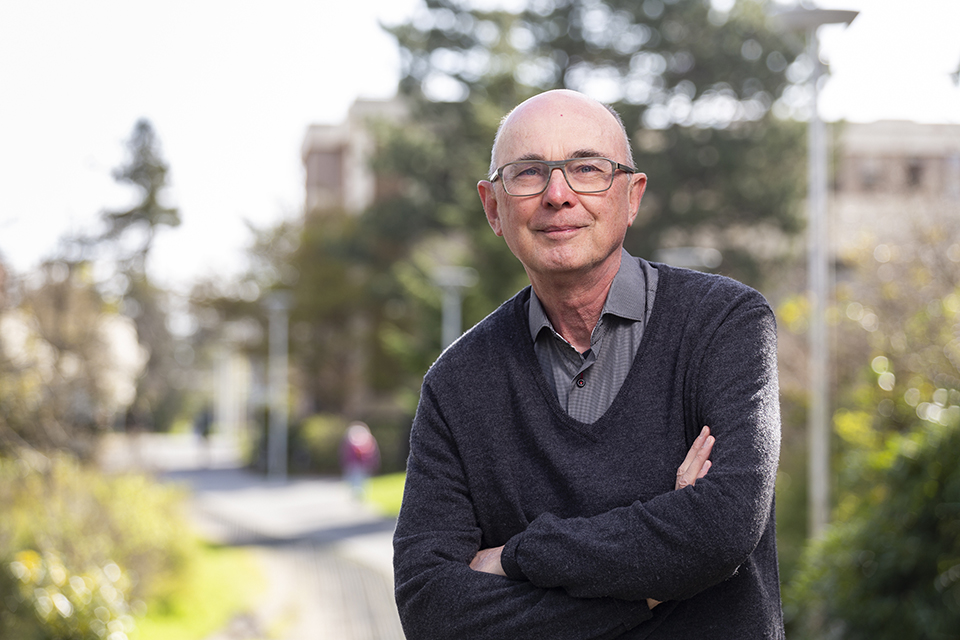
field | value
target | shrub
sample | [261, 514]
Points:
[78, 547]
[68, 606]
[315, 444]
[890, 566]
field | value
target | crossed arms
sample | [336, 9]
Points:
[694, 466]
[585, 577]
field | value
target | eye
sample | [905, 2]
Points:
[527, 170]
[587, 167]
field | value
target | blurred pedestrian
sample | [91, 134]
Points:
[359, 456]
[202, 426]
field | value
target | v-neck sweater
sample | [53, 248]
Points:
[587, 512]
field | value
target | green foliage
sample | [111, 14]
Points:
[64, 605]
[146, 171]
[897, 321]
[890, 567]
[347, 295]
[103, 543]
[62, 376]
[792, 481]
[85, 556]
[695, 87]
[386, 493]
[315, 444]
[218, 584]
[697, 90]
[159, 394]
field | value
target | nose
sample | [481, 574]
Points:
[558, 192]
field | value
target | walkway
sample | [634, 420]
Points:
[327, 557]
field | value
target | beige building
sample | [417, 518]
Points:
[337, 158]
[893, 178]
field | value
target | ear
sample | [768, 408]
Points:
[488, 197]
[638, 185]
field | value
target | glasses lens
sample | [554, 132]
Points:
[525, 178]
[585, 175]
[590, 174]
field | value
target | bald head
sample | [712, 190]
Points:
[564, 110]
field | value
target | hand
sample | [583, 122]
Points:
[488, 561]
[697, 462]
[694, 467]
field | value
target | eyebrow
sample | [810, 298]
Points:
[579, 153]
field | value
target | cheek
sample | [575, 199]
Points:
[510, 221]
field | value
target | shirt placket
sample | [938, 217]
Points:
[580, 396]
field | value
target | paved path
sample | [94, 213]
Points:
[327, 557]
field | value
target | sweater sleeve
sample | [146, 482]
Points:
[682, 542]
[439, 596]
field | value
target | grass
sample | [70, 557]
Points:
[385, 493]
[220, 583]
[224, 581]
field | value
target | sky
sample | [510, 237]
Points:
[231, 87]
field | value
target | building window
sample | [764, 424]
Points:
[869, 174]
[325, 169]
[914, 173]
[953, 176]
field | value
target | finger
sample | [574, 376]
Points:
[701, 462]
[488, 561]
[692, 453]
[695, 464]
[706, 467]
[703, 454]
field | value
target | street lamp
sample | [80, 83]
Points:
[452, 280]
[278, 306]
[818, 432]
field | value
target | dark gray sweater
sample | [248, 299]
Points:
[588, 514]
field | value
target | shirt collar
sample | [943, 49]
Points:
[626, 298]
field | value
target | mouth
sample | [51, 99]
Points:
[559, 231]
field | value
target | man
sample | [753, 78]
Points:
[558, 485]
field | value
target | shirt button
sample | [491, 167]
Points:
[581, 382]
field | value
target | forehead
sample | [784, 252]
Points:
[558, 127]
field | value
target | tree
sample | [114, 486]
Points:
[889, 566]
[130, 234]
[68, 368]
[68, 363]
[146, 171]
[694, 85]
[354, 333]
[696, 88]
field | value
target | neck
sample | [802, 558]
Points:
[573, 303]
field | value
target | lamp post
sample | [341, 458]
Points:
[278, 305]
[452, 280]
[818, 415]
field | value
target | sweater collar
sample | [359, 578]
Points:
[625, 299]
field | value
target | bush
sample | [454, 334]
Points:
[79, 549]
[890, 565]
[67, 606]
[315, 444]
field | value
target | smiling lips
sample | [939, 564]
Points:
[559, 230]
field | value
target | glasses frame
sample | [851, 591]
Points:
[562, 165]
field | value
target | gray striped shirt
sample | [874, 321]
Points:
[586, 383]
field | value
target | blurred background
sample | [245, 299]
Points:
[230, 230]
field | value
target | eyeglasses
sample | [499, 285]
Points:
[583, 175]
